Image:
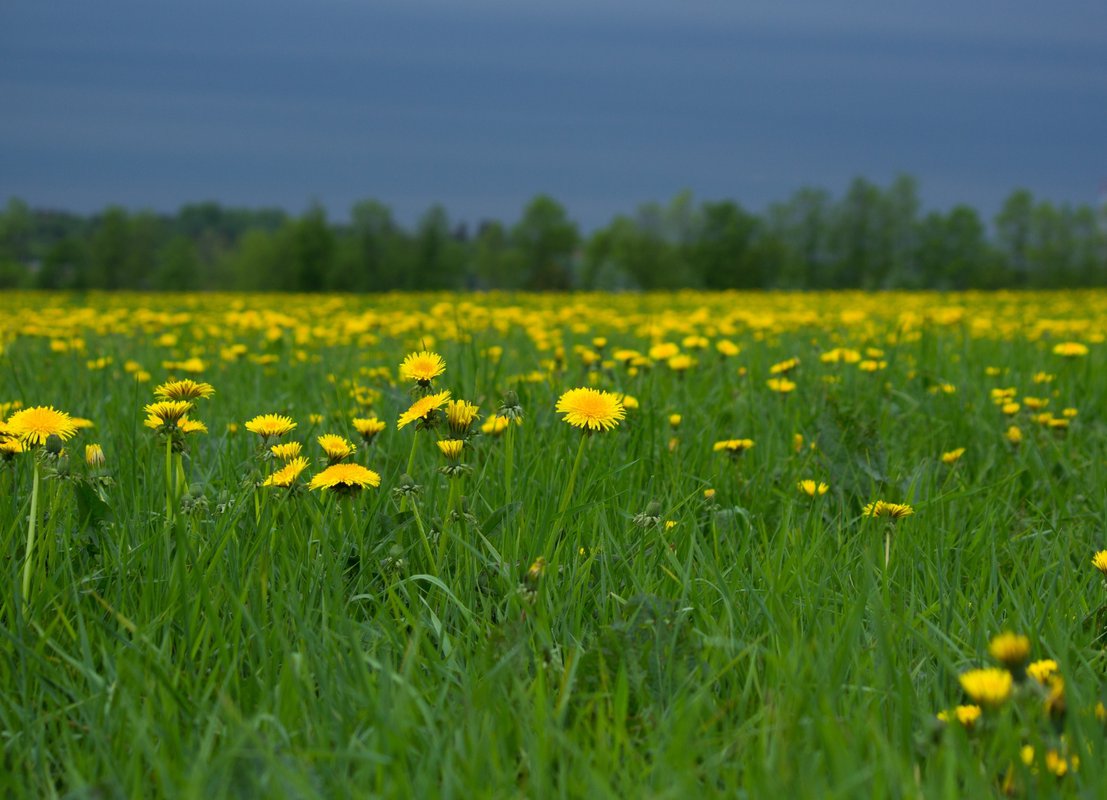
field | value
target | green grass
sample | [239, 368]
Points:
[277, 644]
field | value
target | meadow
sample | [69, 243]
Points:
[721, 544]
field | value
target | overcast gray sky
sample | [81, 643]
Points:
[479, 105]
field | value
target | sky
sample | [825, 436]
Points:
[481, 104]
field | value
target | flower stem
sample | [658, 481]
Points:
[410, 466]
[169, 478]
[509, 459]
[31, 525]
[565, 498]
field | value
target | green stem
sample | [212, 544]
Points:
[443, 533]
[169, 478]
[572, 477]
[31, 525]
[410, 466]
[509, 460]
[423, 535]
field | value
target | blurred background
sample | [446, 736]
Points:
[354, 146]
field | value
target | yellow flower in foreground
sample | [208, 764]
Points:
[891, 510]
[186, 425]
[287, 451]
[186, 389]
[1010, 649]
[169, 412]
[422, 367]
[591, 409]
[9, 448]
[33, 426]
[286, 475]
[966, 715]
[423, 408]
[953, 456]
[988, 687]
[1099, 561]
[451, 448]
[94, 455]
[268, 425]
[1070, 349]
[811, 488]
[1042, 670]
[460, 414]
[368, 427]
[345, 478]
[336, 447]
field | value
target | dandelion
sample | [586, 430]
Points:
[1014, 435]
[780, 385]
[1042, 670]
[674, 420]
[287, 451]
[733, 447]
[1070, 349]
[966, 715]
[811, 488]
[186, 426]
[953, 456]
[681, 363]
[345, 479]
[495, 425]
[368, 427]
[591, 409]
[893, 511]
[270, 425]
[423, 409]
[33, 426]
[336, 447]
[784, 367]
[987, 687]
[1012, 650]
[422, 367]
[94, 456]
[460, 414]
[451, 448]
[1099, 561]
[186, 389]
[287, 475]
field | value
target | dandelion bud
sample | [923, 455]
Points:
[510, 407]
[94, 456]
[54, 444]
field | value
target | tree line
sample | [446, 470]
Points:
[871, 237]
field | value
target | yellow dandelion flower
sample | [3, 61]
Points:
[1042, 670]
[674, 420]
[1014, 434]
[345, 478]
[336, 447]
[781, 385]
[460, 414]
[953, 456]
[884, 509]
[422, 367]
[270, 425]
[664, 351]
[186, 389]
[368, 427]
[1035, 403]
[169, 412]
[451, 448]
[186, 425]
[286, 451]
[287, 475]
[423, 408]
[1070, 349]
[727, 348]
[9, 448]
[33, 426]
[733, 447]
[1099, 561]
[966, 715]
[591, 409]
[708, 494]
[1059, 765]
[681, 362]
[784, 367]
[80, 423]
[94, 455]
[495, 425]
[812, 488]
[987, 687]
[1010, 649]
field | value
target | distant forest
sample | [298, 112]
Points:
[871, 237]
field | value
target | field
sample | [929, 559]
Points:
[658, 607]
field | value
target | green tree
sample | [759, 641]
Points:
[546, 240]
